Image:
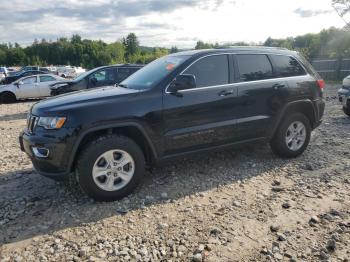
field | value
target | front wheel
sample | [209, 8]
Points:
[346, 111]
[110, 167]
[292, 136]
[7, 97]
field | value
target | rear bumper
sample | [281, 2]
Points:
[55, 164]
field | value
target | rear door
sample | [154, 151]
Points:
[44, 84]
[28, 88]
[203, 116]
[260, 93]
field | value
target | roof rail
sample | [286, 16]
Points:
[251, 46]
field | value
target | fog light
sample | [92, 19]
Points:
[41, 152]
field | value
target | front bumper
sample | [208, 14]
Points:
[344, 97]
[56, 164]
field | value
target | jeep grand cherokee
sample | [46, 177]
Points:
[179, 104]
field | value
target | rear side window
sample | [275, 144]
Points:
[254, 67]
[210, 71]
[286, 66]
[46, 78]
[123, 73]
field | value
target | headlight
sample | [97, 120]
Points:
[51, 122]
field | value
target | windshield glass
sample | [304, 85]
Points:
[153, 73]
[82, 75]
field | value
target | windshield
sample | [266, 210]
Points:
[153, 73]
[83, 75]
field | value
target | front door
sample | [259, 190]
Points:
[203, 116]
[28, 88]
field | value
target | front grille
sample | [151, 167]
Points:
[31, 123]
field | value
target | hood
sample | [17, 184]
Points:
[80, 100]
[62, 83]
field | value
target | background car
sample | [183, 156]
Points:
[101, 76]
[3, 72]
[34, 86]
[12, 78]
[344, 95]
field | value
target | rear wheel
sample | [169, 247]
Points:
[346, 110]
[7, 97]
[110, 167]
[292, 137]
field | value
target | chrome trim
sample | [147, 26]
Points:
[238, 83]
[38, 154]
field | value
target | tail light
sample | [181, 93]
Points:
[321, 83]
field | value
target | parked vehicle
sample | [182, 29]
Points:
[344, 95]
[179, 104]
[34, 68]
[3, 72]
[35, 86]
[101, 76]
[69, 71]
[9, 79]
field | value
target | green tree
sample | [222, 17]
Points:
[202, 45]
[173, 50]
[132, 48]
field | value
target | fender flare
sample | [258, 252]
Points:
[294, 106]
[81, 136]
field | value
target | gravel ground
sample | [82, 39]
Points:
[237, 205]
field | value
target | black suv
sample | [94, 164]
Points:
[181, 103]
[97, 77]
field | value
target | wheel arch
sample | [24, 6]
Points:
[305, 107]
[132, 130]
[7, 92]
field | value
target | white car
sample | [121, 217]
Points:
[36, 86]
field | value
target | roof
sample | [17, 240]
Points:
[272, 50]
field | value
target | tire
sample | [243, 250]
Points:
[93, 160]
[346, 111]
[299, 140]
[8, 97]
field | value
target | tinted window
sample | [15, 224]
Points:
[103, 75]
[29, 80]
[254, 67]
[287, 66]
[210, 71]
[123, 73]
[46, 78]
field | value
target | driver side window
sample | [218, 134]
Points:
[210, 71]
[29, 80]
[102, 77]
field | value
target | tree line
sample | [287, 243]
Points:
[87, 53]
[79, 52]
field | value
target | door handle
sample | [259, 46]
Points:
[278, 86]
[225, 93]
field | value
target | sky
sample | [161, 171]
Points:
[164, 23]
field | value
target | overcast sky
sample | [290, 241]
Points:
[164, 22]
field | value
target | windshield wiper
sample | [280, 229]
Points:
[123, 86]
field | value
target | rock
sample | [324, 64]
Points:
[199, 249]
[197, 258]
[281, 237]
[164, 195]
[181, 248]
[215, 231]
[331, 245]
[274, 228]
[277, 189]
[276, 183]
[278, 256]
[286, 205]
[314, 220]
[236, 204]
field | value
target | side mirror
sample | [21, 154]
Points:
[182, 82]
[19, 83]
